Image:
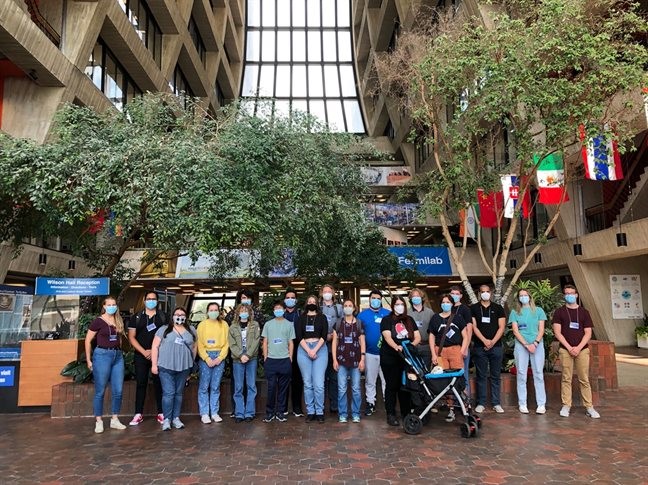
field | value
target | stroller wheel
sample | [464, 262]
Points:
[475, 420]
[466, 430]
[412, 424]
[474, 424]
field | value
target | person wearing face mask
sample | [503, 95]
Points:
[172, 358]
[333, 313]
[106, 362]
[371, 319]
[395, 328]
[244, 338]
[572, 326]
[421, 312]
[528, 323]
[348, 360]
[489, 323]
[141, 331]
[311, 332]
[456, 293]
[296, 390]
[213, 346]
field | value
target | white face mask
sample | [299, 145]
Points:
[348, 310]
[485, 295]
[327, 296]
[399, 309]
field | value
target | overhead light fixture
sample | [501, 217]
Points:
[296, 282]
[206, 290]
[537, 258]
[421, 284]
[454, 281]
[173, 288]
[71, 265]
[432, 286]
[247, 283]
[42, 259]
[276, 286]
[345, 282]
[136, 285]
[578, 249]
[186, 285]
[622, 239]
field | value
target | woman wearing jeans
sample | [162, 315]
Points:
[172, 357]
[312, 357]
[107, 362]
[349, 360]
[212, 349]
[528, 322]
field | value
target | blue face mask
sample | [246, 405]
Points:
[446, 307]
[456, 298]
[111, 309]
[375, 303]
[524, 299]
[212, 315]
[150, 304]
[290, 302]
[245, 302]
[416, 300]
[244, 316]
[279, 312]
[570, 298]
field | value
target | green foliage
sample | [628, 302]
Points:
[642, 330]
[83, 324]
[78, 370]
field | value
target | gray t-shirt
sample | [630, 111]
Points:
[333, 314]
[422, 320]
[175, 351]
[278, 333]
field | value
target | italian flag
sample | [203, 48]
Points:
[551, 179]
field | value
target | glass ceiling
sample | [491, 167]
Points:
[299, 53]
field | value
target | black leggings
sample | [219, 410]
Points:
[393, 372]
[142, 371]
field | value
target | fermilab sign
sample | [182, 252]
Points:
[426, 260]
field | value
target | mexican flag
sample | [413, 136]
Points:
[551, 179]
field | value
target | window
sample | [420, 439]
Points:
[180, 86]
[194, 33]
[110, 77]
[145, 25]
[299, 54]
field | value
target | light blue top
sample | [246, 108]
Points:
[278, 333]
[175, 352]
[528, 322]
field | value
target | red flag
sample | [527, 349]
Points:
[490, 208]
[526, 200]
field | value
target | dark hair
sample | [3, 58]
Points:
[375, 291]
[456, 288]
[213, 303]
[186, 325]
[279, 302]
[244, 291]
[316, 302]
[146, 295]
[486, 285]
[290, 289]
[446, 295]
[395, 299]
[570, 287]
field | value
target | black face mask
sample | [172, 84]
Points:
[311, 307]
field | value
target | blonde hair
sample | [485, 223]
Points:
[424, 297]
[518, 305]
[119, 323]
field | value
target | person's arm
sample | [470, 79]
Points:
[513, 320]
[234, 347]
[253, 342]
[363, 351]
[417, 337]
[557, 328]
[334, 344]
[432, 340]
[586, 338]
[501, 327]
[136, 345]
[224, 330]
[465, 341]
[155, 352]
[291, 347]
[88, 347]
[201, 338]
[390, 341]
[265, 349]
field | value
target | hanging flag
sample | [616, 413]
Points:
[468, 224]
[490, 208]
[510, 189]
[526, 199]
[551, 179]
[600, 156]
[96, 221]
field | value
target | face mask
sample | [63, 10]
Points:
[212, 315]
[446, 307]
[111, 309]
[245, 302]
[375, 303]
[290, 302]
[485, 296]
[348, 310]
[524, 299]
[311, 307]
[244, 316]
[416, 300]
[570, 298]
[327, 296]
[150, 304]
[179, 319]
[456, 298]
[399, 309]
[279, 312]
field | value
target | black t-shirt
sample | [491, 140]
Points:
[314, 326]
[401, 328]
[464, 311]
[145, 327]
[453, 335]
[486, 319]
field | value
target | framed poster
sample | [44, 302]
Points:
[625, 291]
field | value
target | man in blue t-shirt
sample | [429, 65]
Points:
[371, 318]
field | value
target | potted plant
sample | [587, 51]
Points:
[641, 332]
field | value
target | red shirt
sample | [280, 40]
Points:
[573, 322]
[107, 335]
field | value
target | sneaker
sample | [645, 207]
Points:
[370, 409]
[342, 419]
[356, 419]
[249, 419]
[268, 418]
[523, 409]
[137, 419]
[115, 423]
[541, 410]
[281, 418]
[298, 413]
[166, 425]
[310, 418]
[217, 419]
[392, 420]
[320, 418]
[160, 418]
[99, 426]
[177, 424]
[480, 408]
[238, 420]
[564, 411]
[205, 419]
[498, 409]
[451, 416]
[592, 413]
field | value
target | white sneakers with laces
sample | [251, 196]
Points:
[564, 411]
[499, 409]
[480, 408]
[523, 409]
[115, 423]
[137, 419]
[541, 410]
[205, 419]
[592, 413]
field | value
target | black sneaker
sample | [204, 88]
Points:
[370, 409]
[239, 420]
[310, 418]
[268, 418]
[281, 418]
[320, 418]
[392, 420]
[298, 413]
[249, 419]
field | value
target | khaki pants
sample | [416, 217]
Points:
[581, 363]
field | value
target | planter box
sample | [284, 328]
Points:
[642, 342]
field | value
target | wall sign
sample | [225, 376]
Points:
[46, 285]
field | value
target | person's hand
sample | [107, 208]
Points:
[435, 361]
[488, 344]
[147, 354]
[312, 354]
[218, 361]
[336, 366]
[210, 362]
[90, 365]
[574, 351]
[465, 352]
[361, 365]
[531, 348]
[244, 359]
[399, 348]
[154, 369]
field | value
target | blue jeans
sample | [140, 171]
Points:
[245, 375]
[173, 384]
[467, 373]
[313, 373]
[107, 366]
[354, 374]
[522, 358]
[488, 363]
[209, 381]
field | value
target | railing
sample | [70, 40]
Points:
[42, 23]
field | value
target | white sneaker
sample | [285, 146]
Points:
[564, 411]
[137, 419]
[217, 418]
[499, 409]
[592, 413]
[451, 416]
[541, 410]
[99, 426]
[115, 423]
[523, 409]
[480, 408]
[166, 425]
[205, 419]
[177, 424]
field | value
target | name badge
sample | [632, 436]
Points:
[419, 323]
[277, 341]
[213, 354]
[522, 326]
[348, 340]
[485, 319]
[150, 327]
[377, 319]
[179, 340]
[310, 328]
[574, 325]
[450, 333]
[113, 338]
[211, 342]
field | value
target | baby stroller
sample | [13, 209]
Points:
[429, 388]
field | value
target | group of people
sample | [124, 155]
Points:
[325, 346]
